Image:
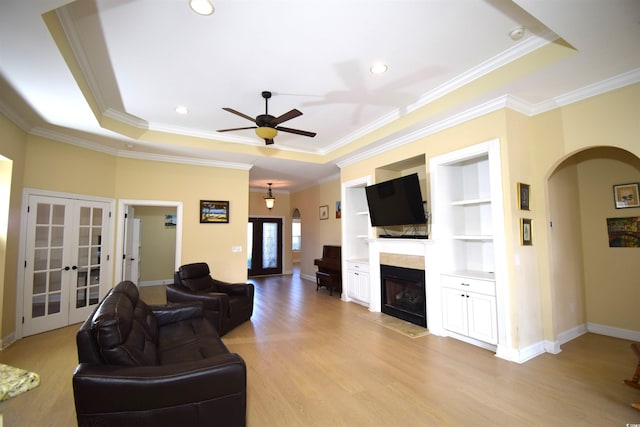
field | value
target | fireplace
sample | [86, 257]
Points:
[403, 294]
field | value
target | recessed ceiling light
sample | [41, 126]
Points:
[201, 7]
[379, 68]
[516, 33]
[181, 109]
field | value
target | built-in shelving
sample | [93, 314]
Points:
[468, 228]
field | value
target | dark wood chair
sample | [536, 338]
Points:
[635, 380]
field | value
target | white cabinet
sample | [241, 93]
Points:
[469, 307]
[358, 281]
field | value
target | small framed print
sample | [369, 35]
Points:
[626, 195]
[524, 196]
[324, 212]
[214, 211]
[526, 231]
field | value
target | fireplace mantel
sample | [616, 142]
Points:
[417, 247]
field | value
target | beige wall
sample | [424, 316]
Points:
[315, 232]
[565, 243]
[13, 142]
[210, 243]
[158, 243]
[612, 275]
[281, 209]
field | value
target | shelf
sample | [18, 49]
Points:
[471, 202]
[362, 236]
[479, 237]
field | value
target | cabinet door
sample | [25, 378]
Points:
[363, 287]
[481, 311]
[352, 284]
[454, 310]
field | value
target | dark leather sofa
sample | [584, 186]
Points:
[226, 305]
[155, 366]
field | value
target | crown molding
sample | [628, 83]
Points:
[604, 86]
[506, 101]
[183, 160]
[73, 140]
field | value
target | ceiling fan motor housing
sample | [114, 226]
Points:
[265, 120]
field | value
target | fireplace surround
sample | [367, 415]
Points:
[403, 293]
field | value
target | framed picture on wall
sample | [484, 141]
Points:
[214, 211]
[324, 212]
[626, 195]
[526, 231]
[524, 196]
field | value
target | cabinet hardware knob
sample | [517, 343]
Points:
[67, 268]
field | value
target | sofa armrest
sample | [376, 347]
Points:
[216, 301]
[244, 289]
[104, 389]
[166, 314]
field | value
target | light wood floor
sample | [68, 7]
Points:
[314, 360]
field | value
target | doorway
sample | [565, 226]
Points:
[126, 230]
[264, 246]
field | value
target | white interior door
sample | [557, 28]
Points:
[127, 259]
[65, 272]
[134, 251]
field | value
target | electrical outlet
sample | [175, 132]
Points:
[236, 248]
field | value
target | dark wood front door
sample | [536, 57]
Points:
[264, 246]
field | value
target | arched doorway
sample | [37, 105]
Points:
[593, 286]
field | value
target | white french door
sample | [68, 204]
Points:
[65, 270]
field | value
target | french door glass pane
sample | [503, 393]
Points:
[47, 259]
[89, 241]
[58, 215]
[269, 245]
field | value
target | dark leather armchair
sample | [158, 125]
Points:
[226, 305]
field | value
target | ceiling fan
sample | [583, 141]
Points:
[267, 125]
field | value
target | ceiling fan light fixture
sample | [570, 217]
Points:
[266, 132]
[269, 200]
[201, 7]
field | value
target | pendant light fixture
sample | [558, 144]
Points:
[269, 200]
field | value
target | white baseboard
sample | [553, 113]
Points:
[626, 334]
[7, 341]
[308, 277]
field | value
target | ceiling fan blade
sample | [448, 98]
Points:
[296, 131]
[286, 116]
[227, 130]
[268, 141]
[238, 113]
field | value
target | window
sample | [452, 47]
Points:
[295, 235]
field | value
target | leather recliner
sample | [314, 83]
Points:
[158, 366]
[226, 305]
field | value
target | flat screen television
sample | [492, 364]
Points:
[396, 202]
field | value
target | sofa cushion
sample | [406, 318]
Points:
[188, 341]
[197, 277]
[125, 329]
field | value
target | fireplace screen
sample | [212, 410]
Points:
[403, 293]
